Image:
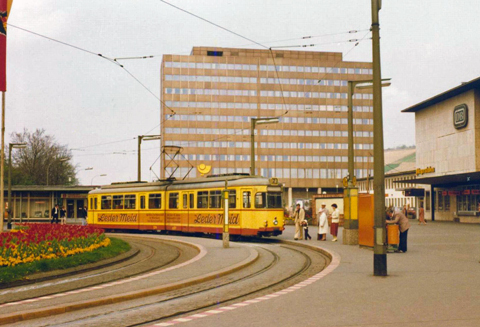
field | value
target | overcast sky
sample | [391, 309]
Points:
[96, 107]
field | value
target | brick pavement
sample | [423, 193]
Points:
[436, 283]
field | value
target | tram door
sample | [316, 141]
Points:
[246, 218]
[190, 206]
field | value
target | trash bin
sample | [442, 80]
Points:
[392, 235]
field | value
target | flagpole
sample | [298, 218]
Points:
[2, 166]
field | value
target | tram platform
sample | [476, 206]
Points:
[435, 283]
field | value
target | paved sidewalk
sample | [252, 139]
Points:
[436, 283]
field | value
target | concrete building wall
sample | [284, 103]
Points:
[439, 144]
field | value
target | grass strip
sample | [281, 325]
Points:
[21, 271]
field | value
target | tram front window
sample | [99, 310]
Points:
[268, 200]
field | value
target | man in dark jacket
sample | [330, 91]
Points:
[55, 213]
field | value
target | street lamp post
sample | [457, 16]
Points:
[254, 122]
[48, 167]
[101, 175]
[10, 147]
[145, 138]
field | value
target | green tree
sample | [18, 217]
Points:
[42, 162]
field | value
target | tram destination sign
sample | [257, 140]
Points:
[460, 116]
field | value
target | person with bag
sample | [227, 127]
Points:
[63, 216]
[403, 223]
[55, 213]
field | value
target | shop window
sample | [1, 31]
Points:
[155, 201]
[427, 200]
[439, 200]
[447, 203]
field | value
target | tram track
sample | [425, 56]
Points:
[92, 277]
[242, 284]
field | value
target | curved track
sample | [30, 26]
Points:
[277, 267]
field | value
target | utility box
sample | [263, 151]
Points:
[365, 220]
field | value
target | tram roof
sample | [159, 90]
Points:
[202, 182]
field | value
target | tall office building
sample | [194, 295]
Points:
[210, 96]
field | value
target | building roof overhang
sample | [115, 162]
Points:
[447, 180]
[464, 87]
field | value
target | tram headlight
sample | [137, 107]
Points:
[275, 221]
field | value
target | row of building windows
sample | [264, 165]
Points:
[268, 106]
[287, 120]
[246, 157]
[270, 132]
[301, 69]
[254, 80]
[285, 94]
[268, 145]
[298, 173]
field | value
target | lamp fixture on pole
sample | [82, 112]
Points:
[63, 159]
[101, 175]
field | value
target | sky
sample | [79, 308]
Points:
[98, 109]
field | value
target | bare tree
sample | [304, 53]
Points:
[42, 162]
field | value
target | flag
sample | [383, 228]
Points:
[5, 6]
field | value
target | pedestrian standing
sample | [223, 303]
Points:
[335, 222]
[63, 215]
[421, 216]
[305, 230]
[83, 215]
[322, 226]
[403, 223]
[55, 213]
[298, 217]
[323, 209]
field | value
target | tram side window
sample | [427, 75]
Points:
[95, 203]
[202, 199]
[142, 202]
[232, 199]
[185, 201]
[130, 200]
[118, 202]
[216, 199]
[260, 201]
[173, 201]
[91, 204]
[192, 201]
[106, 202]
[274, 200]
[155, 201]
[247, 199]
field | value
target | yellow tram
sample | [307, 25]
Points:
[191, 206]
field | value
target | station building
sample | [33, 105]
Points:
[209, 97]
[33, 203]
[447, 132]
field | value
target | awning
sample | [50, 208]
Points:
[447, 180]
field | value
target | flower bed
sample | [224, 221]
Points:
[32, 242]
